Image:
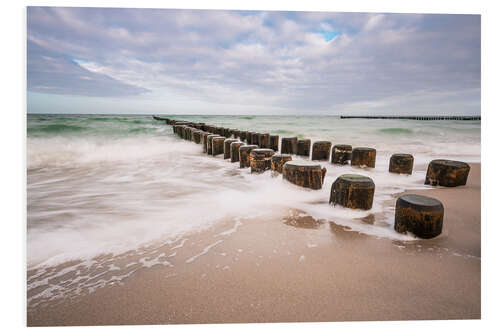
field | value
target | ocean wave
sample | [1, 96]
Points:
[396, 130]
[55, 129]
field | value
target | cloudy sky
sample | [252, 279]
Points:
[96, 60]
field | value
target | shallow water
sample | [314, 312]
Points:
[111, 184]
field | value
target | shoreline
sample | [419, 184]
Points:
[292, 268]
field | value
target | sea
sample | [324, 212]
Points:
[104, 186]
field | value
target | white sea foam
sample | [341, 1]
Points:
[104, 206]
[237, 224]
[205, 251]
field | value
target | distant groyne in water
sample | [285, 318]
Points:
[415, 117]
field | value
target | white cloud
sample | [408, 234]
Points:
[269, 59]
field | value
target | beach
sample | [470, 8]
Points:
[128, 224]
[292, 268]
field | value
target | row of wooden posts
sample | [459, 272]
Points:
[421, 215]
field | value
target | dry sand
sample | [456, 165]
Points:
[294, 269]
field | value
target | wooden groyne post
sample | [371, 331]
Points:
[415, 117]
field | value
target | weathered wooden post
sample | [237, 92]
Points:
[278, 160]
[187, 133]
[264, 140]
[401, 163]
[245, 155]
[353, 191]
[243, 136]
[236, 133]
[321, 151]
[303, 147]
[219, 130]
[341, 154]
[196, 135]
[235, 151]
[227, 132]
[227, 147]
[178, 130]
[304, 173]
[260, 160]
[363, 157]
[182, 131]
[210, 129]
[204, 136]
[255, 138]
[274, 141]
[447, 173]
[218, 145]
[289, 145]
[249, 137]
[420, 215]
[209, 143]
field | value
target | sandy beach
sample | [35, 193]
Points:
[291, 268]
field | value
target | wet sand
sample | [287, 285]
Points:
[291, 268]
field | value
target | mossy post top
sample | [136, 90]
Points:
[420, 201]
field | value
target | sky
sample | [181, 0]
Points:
[162, 61]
